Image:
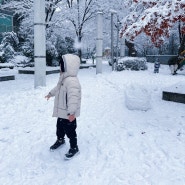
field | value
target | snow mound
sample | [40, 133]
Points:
[21, 61]
[137, 98]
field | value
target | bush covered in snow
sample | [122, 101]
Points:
[22, 61]
[56, 46]
[27, 48]
[7, 53]
[8, 46]
[65, 45]
[132, 63]
[10, 54]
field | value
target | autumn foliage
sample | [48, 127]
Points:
[154, 19]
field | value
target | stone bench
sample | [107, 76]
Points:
[31, 71]
[82, 66]
[6, 78]
[175, 93]
[52, 71]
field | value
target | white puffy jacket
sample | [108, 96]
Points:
[68, 90]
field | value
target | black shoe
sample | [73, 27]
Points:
[174, 73]
[72, 152]
[57, 144]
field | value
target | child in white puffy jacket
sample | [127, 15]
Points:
[67, 103]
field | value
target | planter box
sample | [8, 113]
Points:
[175, 97]
[31, 71]
[6, 78]
[175, 93]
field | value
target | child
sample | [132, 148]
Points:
[156, 66]
[67, 103]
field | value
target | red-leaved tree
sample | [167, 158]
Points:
[155, 18]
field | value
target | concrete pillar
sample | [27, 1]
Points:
[99, 43]
[112, 42]
[122, 47]
[39, 43]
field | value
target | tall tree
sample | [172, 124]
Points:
[79, 13]
[51, 7]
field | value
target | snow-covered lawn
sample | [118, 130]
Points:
[119, 145]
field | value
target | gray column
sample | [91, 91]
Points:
[122, 47]
[39, 43]
[99, 42]
[117, 41]
[112, 42]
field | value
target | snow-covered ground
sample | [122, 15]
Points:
[120, 144]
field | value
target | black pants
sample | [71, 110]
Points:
[65, 127]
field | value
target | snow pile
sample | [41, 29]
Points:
[6, 65]
[176, 88]
[117, 146]
[21, 61]
[137, 98]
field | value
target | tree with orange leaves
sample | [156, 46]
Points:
[155, 18]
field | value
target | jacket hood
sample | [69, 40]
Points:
[71, 65]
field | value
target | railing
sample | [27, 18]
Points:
[5, 28]
[163, 59]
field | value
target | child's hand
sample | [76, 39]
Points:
[71, 118]
[48, 96]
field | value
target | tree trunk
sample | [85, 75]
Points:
[182, 45]
[80, 49]
[131, 49]
[80, 54]
[172, 45]
[181, 38]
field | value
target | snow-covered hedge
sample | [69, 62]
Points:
[8, 46]
[132, 63]
[22, 61]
